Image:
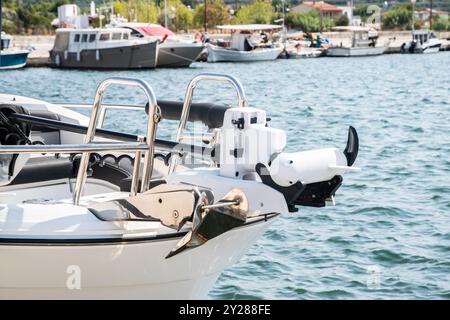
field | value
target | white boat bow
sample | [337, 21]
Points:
[130, 217]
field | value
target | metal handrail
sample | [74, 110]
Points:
[105, 105]
[242, 102]
[161, 144]
[153, 119]
[148, 147]
[74, 148]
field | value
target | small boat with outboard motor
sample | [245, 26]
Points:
[423, 41]
[299, 45]
[247, 43]
[88, 213]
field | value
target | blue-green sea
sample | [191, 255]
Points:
[389, 234]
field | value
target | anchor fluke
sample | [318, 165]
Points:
[213, 220]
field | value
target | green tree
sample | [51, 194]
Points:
[440, 24]
[179, 16]
[259, 11]
[308, 22]
[29, 16]
[360, 10]
[121, 7]
[418, 24]
[398, 18]
[342, 20]
[140, 10]
[216, 13]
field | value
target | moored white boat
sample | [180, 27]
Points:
[131, 217]
[246, 45]
[301, 53]
[354, 52]
[218, 54]
[363, 43]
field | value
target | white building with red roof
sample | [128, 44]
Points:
[326, 9]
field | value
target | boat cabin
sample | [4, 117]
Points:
[423, 36]
[5, 41]
[364, 38]
[248, 37]
[360, 36]
[76, 40]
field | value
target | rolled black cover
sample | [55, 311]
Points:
[208, 113]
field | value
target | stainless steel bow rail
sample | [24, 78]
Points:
[242, 102]
[148, 147]
[153, 119]
[163, 145]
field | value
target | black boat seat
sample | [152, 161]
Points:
[44, 169]
[46, 115]
[48, 169]
[44, 134]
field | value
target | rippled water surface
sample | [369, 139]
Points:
[389, 234]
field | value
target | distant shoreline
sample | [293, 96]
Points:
[334, 37]
[42, 44]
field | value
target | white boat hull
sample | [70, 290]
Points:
[354, 52]
[124, 270]
[175, 55]
[302, 54]
[13, 59]
[434, 49]
[218, 54]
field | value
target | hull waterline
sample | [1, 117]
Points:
[217, 54]
[354, 52]
[433, 49]
[13, 60]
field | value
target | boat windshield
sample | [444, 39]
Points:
[4, 44]
[421, 38]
